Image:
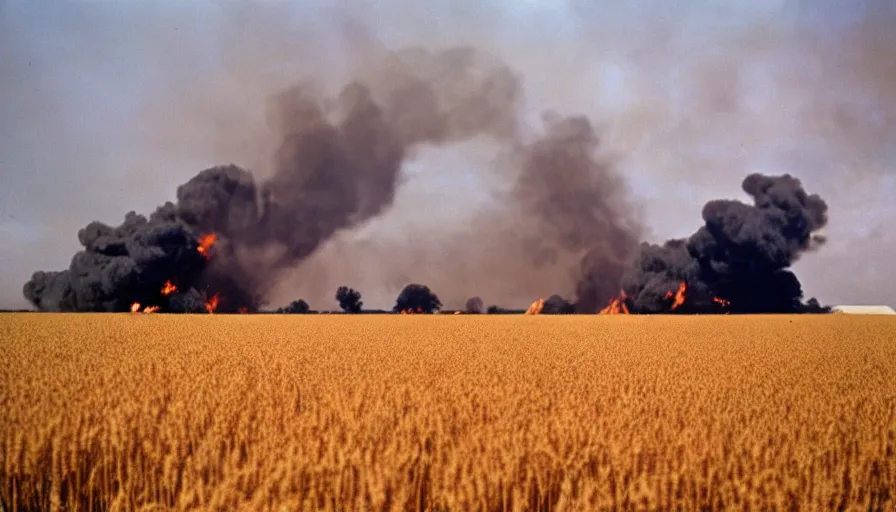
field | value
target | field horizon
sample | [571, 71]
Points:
[447, 412]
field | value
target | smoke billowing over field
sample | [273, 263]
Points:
[738, 260]
[338, 164]
[314, 151]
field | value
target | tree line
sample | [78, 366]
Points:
[416, 299]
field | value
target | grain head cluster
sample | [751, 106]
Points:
[460, 413]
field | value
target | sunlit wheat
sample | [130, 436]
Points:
[269, 413]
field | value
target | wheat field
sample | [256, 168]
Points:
[460, 413]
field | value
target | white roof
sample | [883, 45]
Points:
[864, 310]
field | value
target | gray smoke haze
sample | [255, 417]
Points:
[691, 98]
[579, 206]
[332, 171]
[337, 166]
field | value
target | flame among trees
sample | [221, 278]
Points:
[677, 299]
[419, 299]
[620, 305]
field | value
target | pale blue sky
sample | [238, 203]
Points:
[107, 106]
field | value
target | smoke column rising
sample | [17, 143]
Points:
[338, 166]
[579, 205]
[741, 254]
[693, 97]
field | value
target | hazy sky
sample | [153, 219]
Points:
[107, 107]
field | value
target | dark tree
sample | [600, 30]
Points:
[493, 309]
[299, 307]
[557, 305]
[812, 306]
[349, 299]
[474, 306]
[417, 298]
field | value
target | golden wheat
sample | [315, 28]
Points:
[155, 412]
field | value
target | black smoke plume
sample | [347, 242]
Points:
[119, 266]
[738, 260]
[337, 166]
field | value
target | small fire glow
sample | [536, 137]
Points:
[206, 242]
[212, 304]
[168, 288]
[720, 301]
[135, 308]
[616, 306]
[536, 307]
[678, 296]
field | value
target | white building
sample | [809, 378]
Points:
[864, 310]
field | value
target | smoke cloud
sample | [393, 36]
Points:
[738, 260]
[337, 166]
[579, 206]
[118, 266]
[691, 98]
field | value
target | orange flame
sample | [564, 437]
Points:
[679, 296]
[721, 301]
[212, 304]
[168, 288]
[536, 307]
[206, 242]
[135, 308]
[616, 306]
